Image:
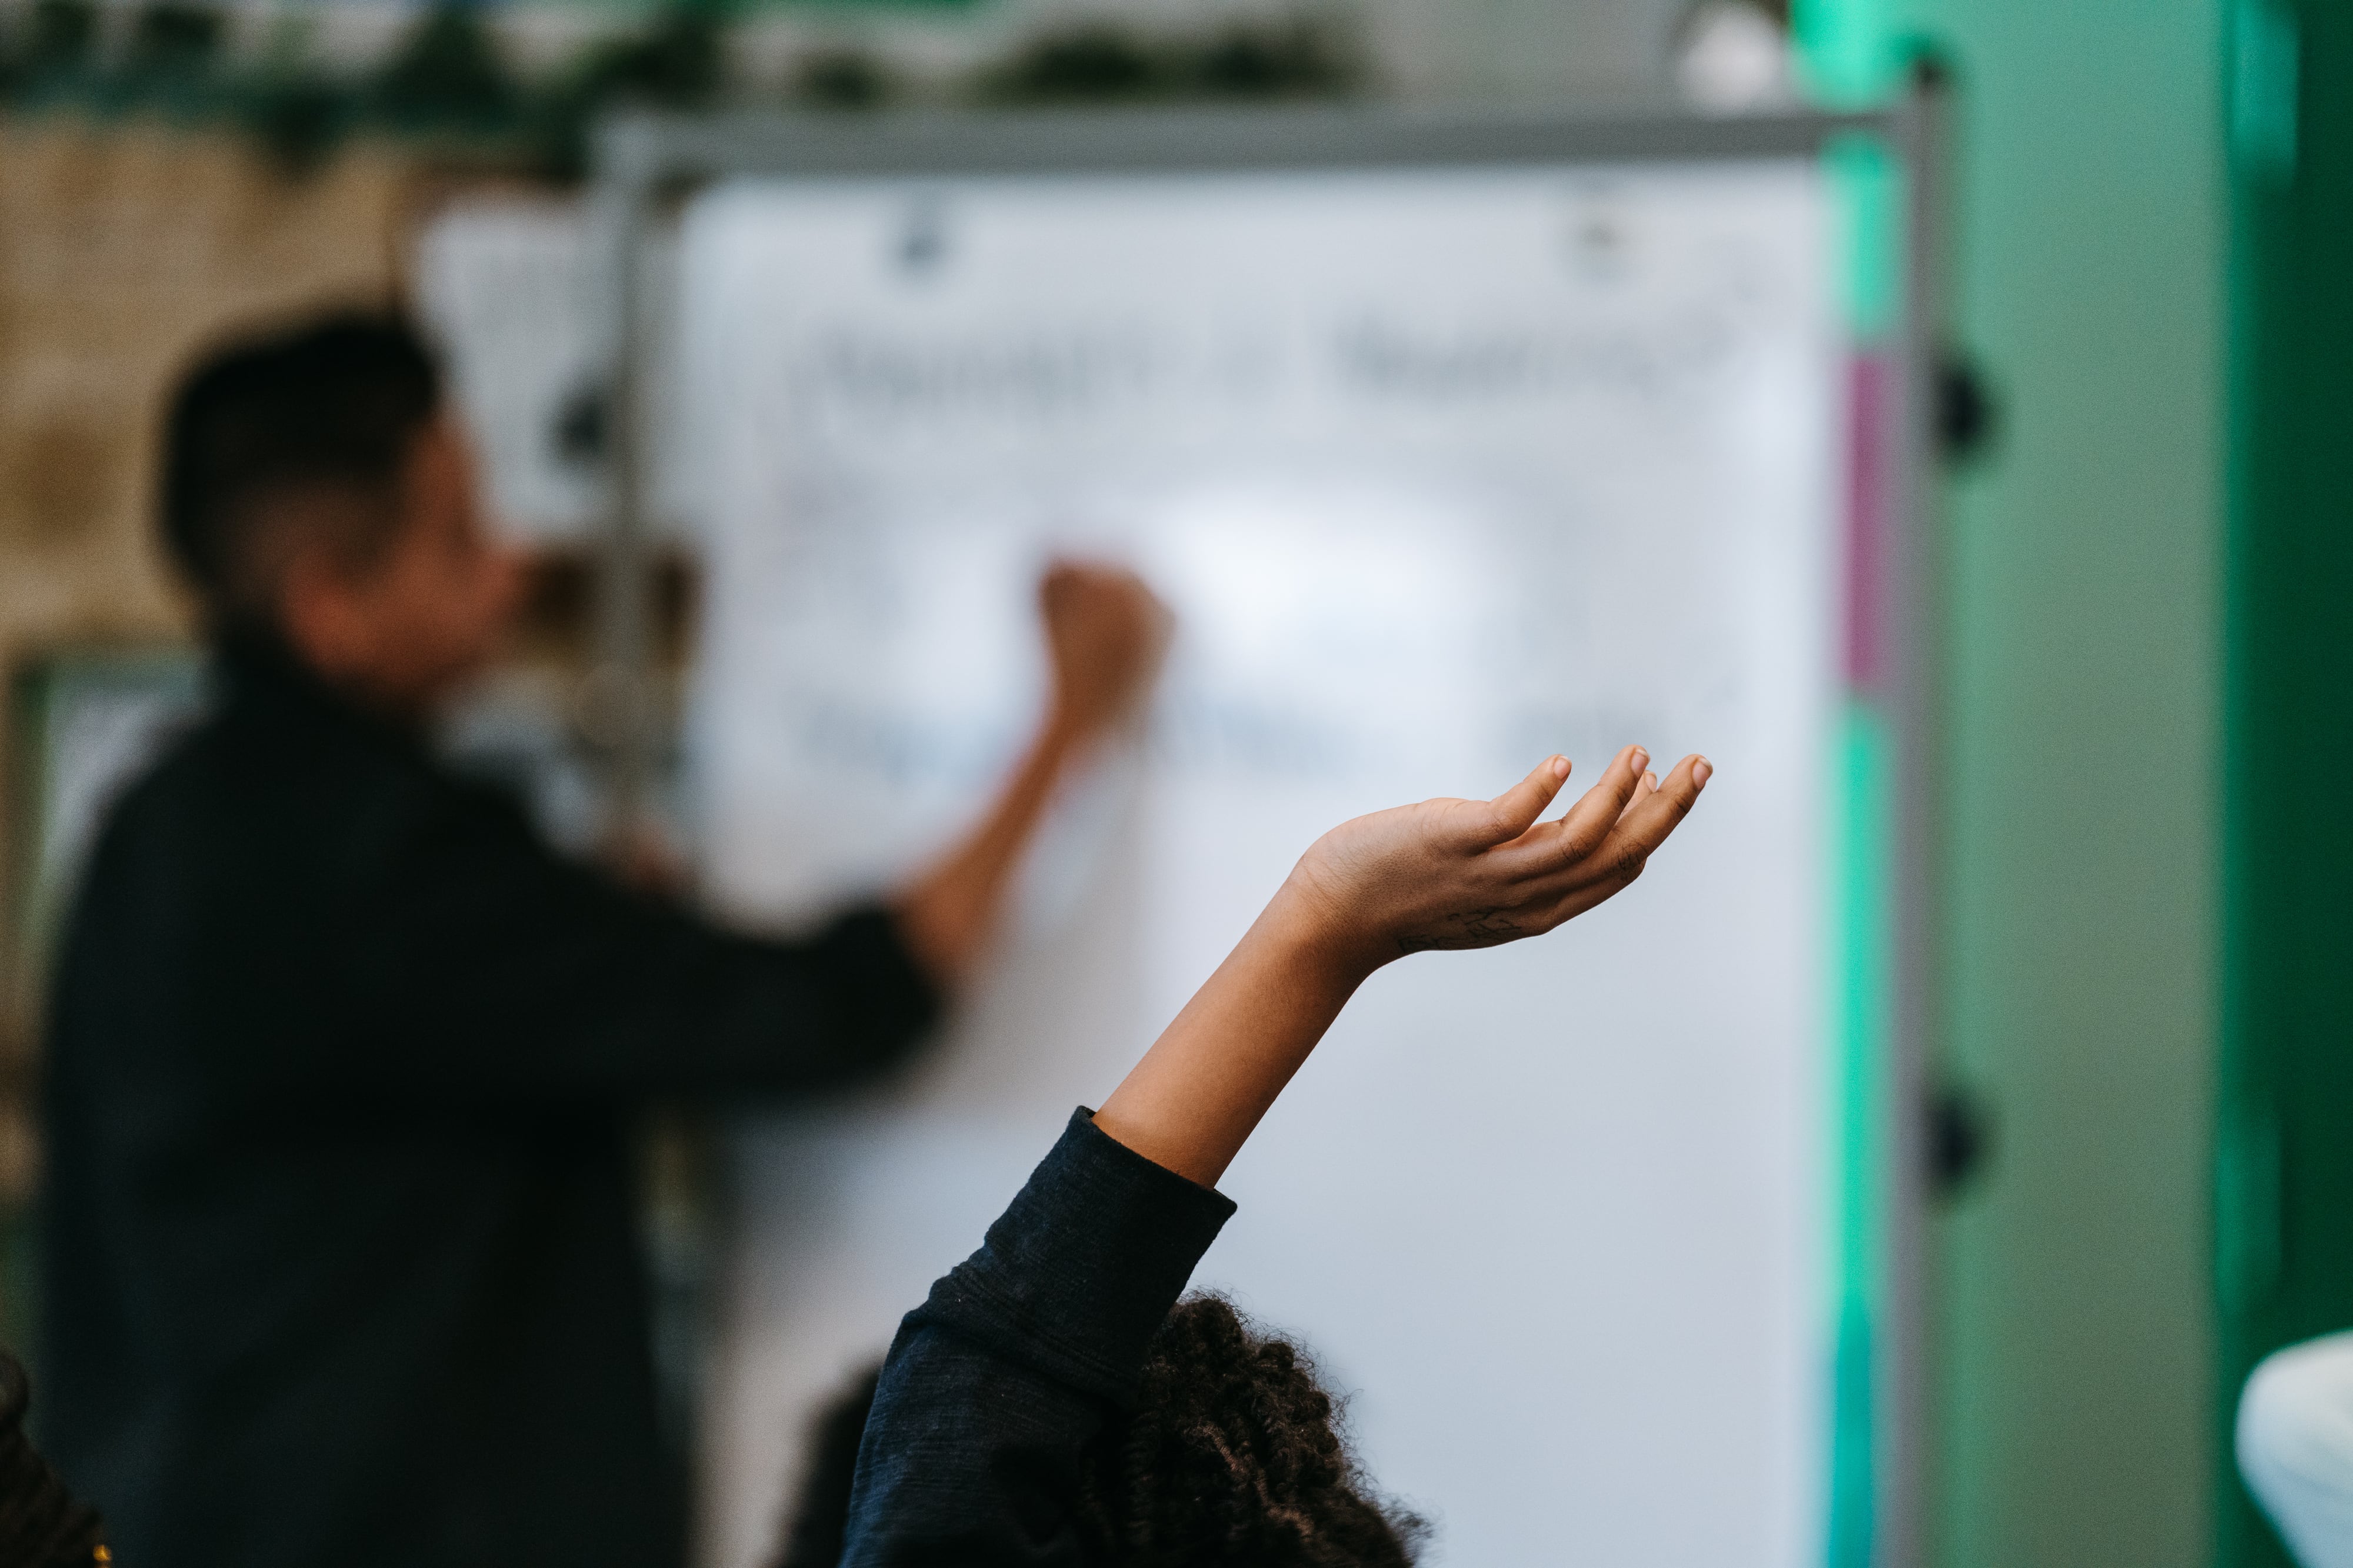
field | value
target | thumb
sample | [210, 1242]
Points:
[1516, 810]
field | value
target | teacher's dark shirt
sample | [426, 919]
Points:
[340, 1222]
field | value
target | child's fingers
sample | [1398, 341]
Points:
[1644, 788]
[1647, 822]
[1622, 858]
[1516, 810]
[1574, 836]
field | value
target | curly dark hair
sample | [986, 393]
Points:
[1235, 1454]
[41, 1525]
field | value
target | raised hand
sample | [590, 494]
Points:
[1446, 873]
[1476, 873]
[1104, 636]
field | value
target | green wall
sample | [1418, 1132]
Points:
[2075, 1350]
[2285, 1211]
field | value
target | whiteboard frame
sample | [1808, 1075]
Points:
[642, 162]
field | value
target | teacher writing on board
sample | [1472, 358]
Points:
[343, 1057]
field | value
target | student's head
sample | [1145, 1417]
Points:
[1233, 1455]
[315, 492]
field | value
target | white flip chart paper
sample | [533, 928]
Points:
[511, 292]
[1440, 471]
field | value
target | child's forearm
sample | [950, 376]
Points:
[1201, 1090]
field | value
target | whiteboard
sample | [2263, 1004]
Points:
[1440, 471]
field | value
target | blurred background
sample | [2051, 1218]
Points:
[2143, 1059]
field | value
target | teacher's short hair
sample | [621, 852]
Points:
[331, 408]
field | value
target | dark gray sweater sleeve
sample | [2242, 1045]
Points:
[499, 968]
[998, 1382]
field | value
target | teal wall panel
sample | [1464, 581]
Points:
[2075, 1340]
[2076, 1364]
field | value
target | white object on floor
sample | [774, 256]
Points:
[2296, 1446]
